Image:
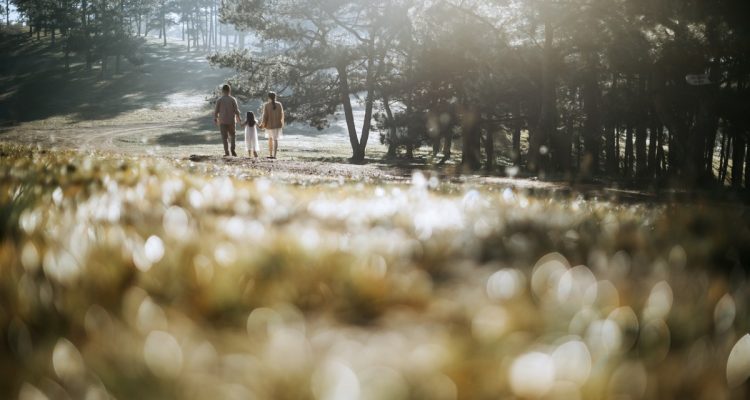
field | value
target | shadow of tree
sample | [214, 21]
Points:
[35, 85]
[176, 139]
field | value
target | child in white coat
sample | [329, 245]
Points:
[251, 135]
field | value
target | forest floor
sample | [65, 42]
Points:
[161, 109]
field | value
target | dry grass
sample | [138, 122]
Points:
[138, 277]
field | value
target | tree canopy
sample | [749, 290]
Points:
[628, 89]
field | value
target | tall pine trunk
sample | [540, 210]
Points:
[163, 33]
[347, 104]
[548, 111]
[517, 124]
[653, 141]
[592, 126]
[369, 101]
[628, 151]
[121, 36]
[489, 149]
[84, 23]
[738, 158]
[217, 31]
[471, 139]
[392, 132]
[726, 150]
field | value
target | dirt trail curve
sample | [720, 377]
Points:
[160, 110]
[138, 139]
[123, 138]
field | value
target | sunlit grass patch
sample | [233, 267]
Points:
[144, 278]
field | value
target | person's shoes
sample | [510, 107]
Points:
[226, 154]
[234, 154]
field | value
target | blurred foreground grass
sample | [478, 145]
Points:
[146, 278]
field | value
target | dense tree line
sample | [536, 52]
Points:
[635, 89]
[101, 30]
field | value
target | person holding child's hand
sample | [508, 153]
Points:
[251, 135]
[272, 121]
[227, 115]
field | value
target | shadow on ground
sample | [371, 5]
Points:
[34, 84]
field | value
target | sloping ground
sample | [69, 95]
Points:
[36, 87]
[159, 108]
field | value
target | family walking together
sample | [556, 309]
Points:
[227, 115]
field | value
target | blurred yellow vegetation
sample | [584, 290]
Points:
[135, 277]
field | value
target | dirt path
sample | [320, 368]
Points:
[161, 110]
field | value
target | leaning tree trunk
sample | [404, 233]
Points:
[366, 124]
[391, 128]
[726, 150]
[344, 93]
[369, 100]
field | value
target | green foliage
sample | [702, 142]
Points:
[576, 77]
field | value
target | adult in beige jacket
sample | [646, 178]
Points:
[272, 121]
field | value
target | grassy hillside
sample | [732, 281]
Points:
[158, 108]
[36, 86]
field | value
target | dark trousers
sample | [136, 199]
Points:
[227, 136]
